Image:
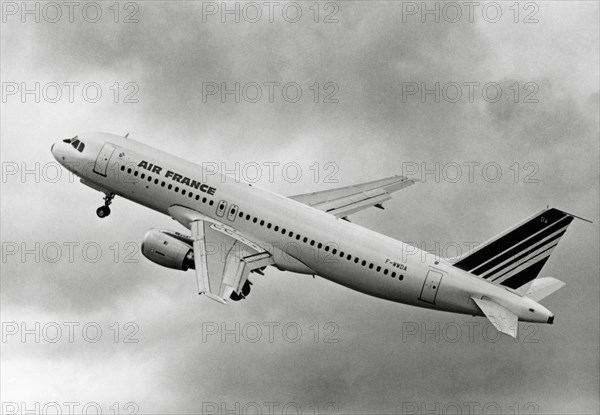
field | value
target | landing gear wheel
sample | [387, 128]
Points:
[235, 297]
[103, 211]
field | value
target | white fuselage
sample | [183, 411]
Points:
[371, 263]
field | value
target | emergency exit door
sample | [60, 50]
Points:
[431, 286]
[102, 160]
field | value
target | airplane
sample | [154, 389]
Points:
[237, 228]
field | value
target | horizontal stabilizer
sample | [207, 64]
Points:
[543, 287]
[503, 319]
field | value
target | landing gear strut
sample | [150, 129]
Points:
[104, 211]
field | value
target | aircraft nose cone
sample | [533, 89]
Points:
[57, 153]
[551, 319]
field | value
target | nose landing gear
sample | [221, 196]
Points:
[104, 211]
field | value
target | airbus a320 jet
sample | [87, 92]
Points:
[237, 228]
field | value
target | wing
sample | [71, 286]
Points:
[344, 201]
[223, 257]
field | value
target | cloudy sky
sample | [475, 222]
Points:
[493, 108]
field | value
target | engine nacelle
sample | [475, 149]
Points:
[169, 249]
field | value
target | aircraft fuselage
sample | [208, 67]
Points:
[300, 238]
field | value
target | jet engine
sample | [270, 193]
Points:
[169, 249]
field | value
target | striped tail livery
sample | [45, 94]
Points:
[515, 257]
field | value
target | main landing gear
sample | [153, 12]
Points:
[104, 211]
[245, 291]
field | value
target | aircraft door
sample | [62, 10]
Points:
[103, 158]
[232, 211]
[221, 207]
[431, 286]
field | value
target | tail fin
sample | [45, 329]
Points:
[515, 257]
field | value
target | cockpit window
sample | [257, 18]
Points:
[77, 145]
[69, 140]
